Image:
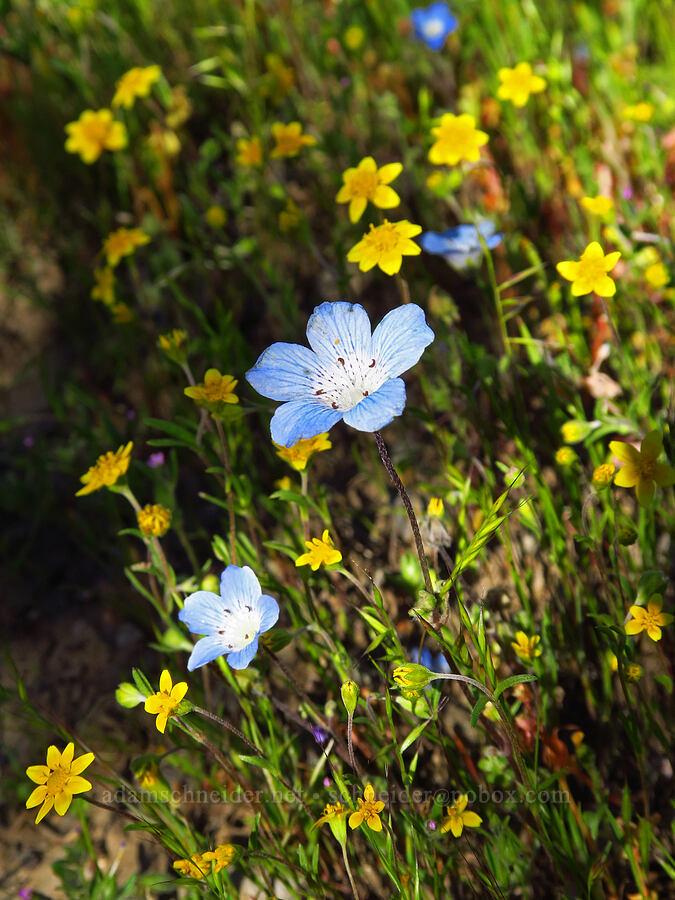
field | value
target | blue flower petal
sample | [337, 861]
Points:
[269, 609]
[300, 419]
[239, 587]
[205, 650]
[378, 410]
[203, 612]
[339, 329]
[434, 242]
[241, 658]
[284, 372]
[399, 340]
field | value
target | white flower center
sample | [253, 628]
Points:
[433, 28]
[345, 382]
[239, 626]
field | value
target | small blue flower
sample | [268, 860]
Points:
[433, 662]
[348, 374]
[433, 24]
[232, 621]
[460, 245]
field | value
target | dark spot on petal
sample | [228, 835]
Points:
[372, 364]
[319, 392]
[229, 646]
[334, 404]
[246, 636]
[341, 361]
[248, 608]
[221, 632]
[365, 393]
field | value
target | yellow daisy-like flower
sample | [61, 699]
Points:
[289, 139]
[181, 108]
[657, 275]
[173, 344]
[137, 82]
[526, 647]
[123, 242]
[154, 520]
[164, 703]
[435, 507]
[249, 152]
[602, 475]
[122, 313]
[94, 132]
[290, 216]
[369, 811]
[518, 83]
[320, 551]
[457, 817]
[331, 812]
[565, 456]
[221, 856]
[107, 469]
[300, 454]
[385, 246]
[589, 273]
[599, 206]
[640, 468]
[367, 182]
[215, 390]
[457, 138]
[641, 112]
[195, 866]
[651, 620]
[215, 216]
[104, 288]
[58, 780]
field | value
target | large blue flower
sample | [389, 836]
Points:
[232, 621]
[433, 24]
[460, 246]
[348, 374]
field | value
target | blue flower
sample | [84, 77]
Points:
[232, 621]
[434, 663]
[433, 24]
[460, 245]
[348, 374]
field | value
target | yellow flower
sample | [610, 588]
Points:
[149, 777]
[369, 811]
[573, 432]
[300, 454]
[641, 112]
[122, 313]
[640, 469]
[58, 780]
[221, 856]
[353, 37]
[589, 273]
[104, 289]
[283, 484]
[180, 109]
[651, 620]
[565, 456]
[657, 275]
[331, 812]
[385, 246]
[457, 817]
[173, 344]
[107, 469]
[215, 216]
[163, 142]
[367, 182]
[320, 551]
[526, 647]
[215, 390]
[154, 520]
[457, 139]
[599, 206]
[435, 507]
[94, 132]
[136, 82]
[289, 217]
[517, 84]
[289, 139]
[633, 672]
[412, 676]
[249, 152]
[164, 703]
[195, 866]
[123, 242]
[602, 475]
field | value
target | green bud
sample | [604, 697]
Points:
[412, 676]
[350, 695]
[210, 583]
[626, 533]
[128, 695]
[174, 639]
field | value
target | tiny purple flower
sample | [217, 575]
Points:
[431, 824]
[155, 460]
[320, 735]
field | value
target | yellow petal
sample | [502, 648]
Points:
[76, 784]
[569, 269]
[664, 475]
[81, 763]
[344, 195]
[627, 476]
[652, 445]
[67, 755]
[373, 822]
[593, 251]
[62, 801]
[456, 826]
[390, 265]
[38, 774]
[624, 452]
[460, 803]
[355, 819]
[385, 197]
[165, 682]
[160, 722]
[369, 793]
[367, 164]
[472, 819]
[654, 632]
[44, 809]
[36, 797]
[154, 703]
[611, 260]
[356, 208]
[179, 691]
[645, 491]
[389, 172]
[581, 287]
[604, 286]
[53, 757]
[633, 626]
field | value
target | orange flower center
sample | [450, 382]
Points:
[56, 782]
[647, 468]
[384, 238]
[363, 183]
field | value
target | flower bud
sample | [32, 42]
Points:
[210, 583]
[412, 676]
[350, 695]
[128, 695]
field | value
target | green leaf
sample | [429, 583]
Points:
[414, 734]
[509, 682]
[477, 711]
[258, 761]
